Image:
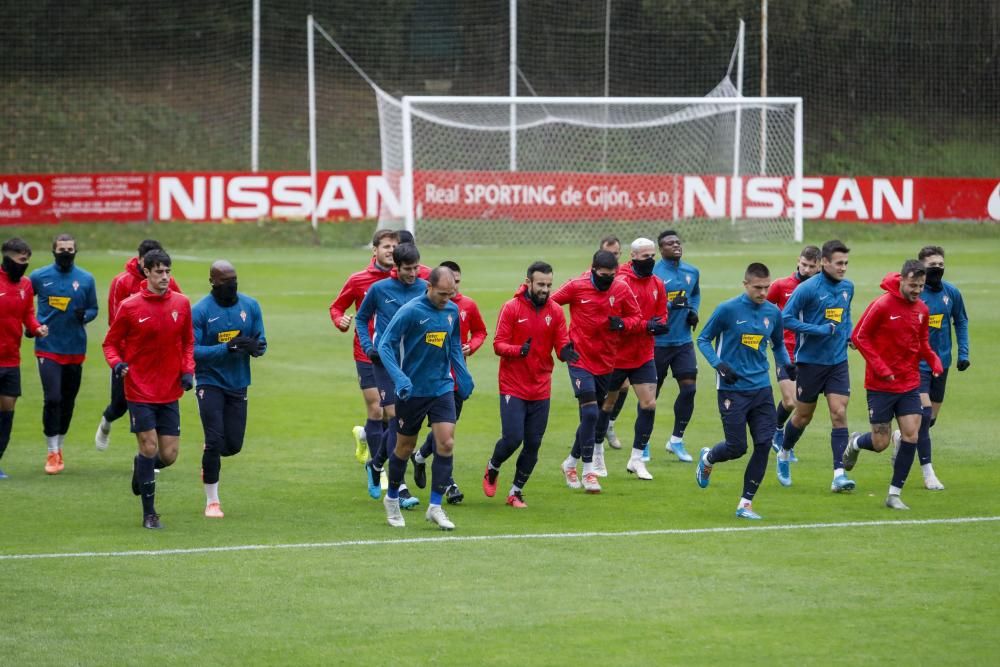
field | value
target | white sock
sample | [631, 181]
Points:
[674, 440]
[62, 439]
[599, 448]
[588, 467]
[490, 466]
[402, 487]
[837, 472]
[611, 424]
[783, 454]
[745, 503]
[927, 469]
[894, 490]
[105, 425]
[211, 493]
[570, 462]
[52, 443]
[636, 454]
[418, 457]
[704, 459]
[514, 488]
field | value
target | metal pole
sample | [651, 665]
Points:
[406, 186]
[799, 157]
[312, 117]
[512, 85]
[738, 128]
[255, 90]
[763, 85]
[607, 81]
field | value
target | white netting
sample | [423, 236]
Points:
[579, 170]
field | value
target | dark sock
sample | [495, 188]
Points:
[782, 413]
[601, 427]
[617, 409]
[441, 470]
[792, 434]
[387, 446]
[924, 436]
[6, 422]
[373, 435]
[147, 482]
[397, 469]
[838, 443]
[643, 427]
[903, 463]
[683, 408]
[865, 442]
[428, 447]
[588, 421]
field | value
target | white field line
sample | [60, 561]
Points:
[451, 539]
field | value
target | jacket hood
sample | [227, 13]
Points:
[521, 289]
[132, 266]
[891, 284]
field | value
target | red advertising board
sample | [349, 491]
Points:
[353, 195]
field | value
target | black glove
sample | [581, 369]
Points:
[81, 314]
[238, 344]
[680, 301]
[616, 323]
[727, 373]
[120, 369]
[792, 371]
[258, 347]
[187, 381]
[525, 347]
[657, 326]
[28, 333]
[569, 354]
[692, 319]
[962, 364]
[373, 356]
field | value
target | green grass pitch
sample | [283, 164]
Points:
[645, 573]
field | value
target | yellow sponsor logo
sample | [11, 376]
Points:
[673, 295]
[59, 302]
[226, 336]
[935, 321]
[752, 340]
[835, 314]
[435, 338]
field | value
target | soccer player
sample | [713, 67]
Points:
[947, 308]
[352, 294]
[600, 308]
[377, 309]
[892, 336]
[781, 289]
[634, 357]
[421, 349]
[151, 345]
[124, 285]
[819, 312]
[530, 328]
[613, 404]
[228, 330]
[613, 245]
[741, 329]
[674, 350]
[17, 314]
[67, 300]
[473, 330]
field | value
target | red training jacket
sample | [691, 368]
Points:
[528, 378]
[471, 323]
[589, 309]
[636, 347]
[152, 333]
[892, 336]
[17, 314]
[127, 283]
[778, 294]
[353, 293]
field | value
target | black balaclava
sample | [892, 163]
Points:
[225, 293]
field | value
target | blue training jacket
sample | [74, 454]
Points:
[383, 299]
[214, 327]
[59, 295]
[946, 307]
[814, 305]
[422, 346]
[678, 277]
[741, 330]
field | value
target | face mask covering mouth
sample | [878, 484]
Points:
[934, 275]
[64, 260]
[643, 267]
[14, 270]
[601, 282]
[225, 294]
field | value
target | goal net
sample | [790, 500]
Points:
[520, 170]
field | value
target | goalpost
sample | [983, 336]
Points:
[587, 167]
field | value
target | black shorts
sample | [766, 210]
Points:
[933, 386]
[753, 408]
[586, 384]
[386, 387]
[164, 418]
[678, 358]
[645, 374]
[883, 405]
[816, 379]
[366, 376]
[411, 412]
[10, 381]
[781, 373]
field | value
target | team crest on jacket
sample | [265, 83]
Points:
[845, 295]
[173, 314]
[243, 315]
[920, 318]
[767, 322]
[76, 285]
[449, 320]
[726, 403]
[463, 314]
[548, 320]
[22, 294]
[611, 300]
[688, 279]
[945, 299]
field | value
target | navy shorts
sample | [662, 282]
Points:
[386, 387]
[678, 358]
[366, 376]
[883, 405]
[753, 408]
[816, 379]
[164, 418]
[10, 381]
[933, 386]
[645, 374]
[412, 411]
[781, 374]
[588, 387]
